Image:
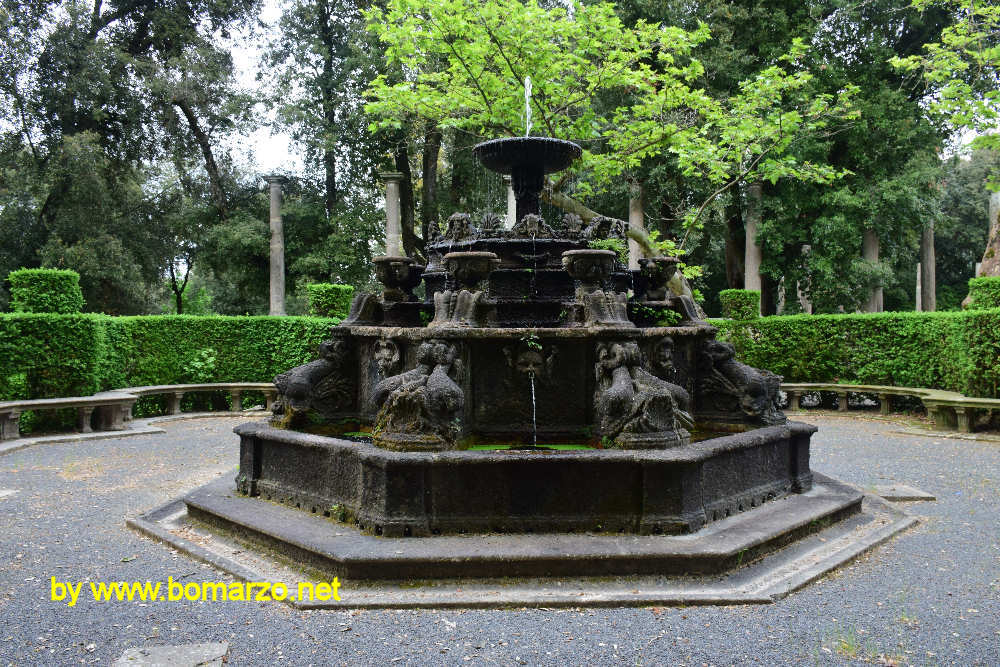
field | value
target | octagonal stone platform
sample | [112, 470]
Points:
[754, 557]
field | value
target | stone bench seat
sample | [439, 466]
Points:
[949, 409]
[113, 408]
[176, 392]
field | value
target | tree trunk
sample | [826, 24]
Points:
[214, 176]
[429, 168]
[328, 96]
[990, 266]
[637, 221]
[413, 246]
[330, 178]
[734, 247]
[928, 282]
[568, 204]
[753, 256]
[869, 251]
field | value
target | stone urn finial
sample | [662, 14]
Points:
[591, 267]
[470, 268]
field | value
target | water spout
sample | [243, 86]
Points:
[527, 106]
[534, 421]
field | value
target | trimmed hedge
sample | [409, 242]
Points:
[984, 292]
[45, 291]
[740, 304]
[329, 299]
[956, 351]
[43, 356]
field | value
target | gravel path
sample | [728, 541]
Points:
[930, 596]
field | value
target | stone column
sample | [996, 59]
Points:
[636, 221]
[393, 224]
[277, 261]
[511, 203]
[928, 282]
[804, 301]
[919, 301]
[752, 255]
[869, 252]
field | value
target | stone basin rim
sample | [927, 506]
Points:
[522, 151]
[688, 453]
[472, 333]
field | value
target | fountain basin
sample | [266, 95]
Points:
[401, 494]
[509, 154]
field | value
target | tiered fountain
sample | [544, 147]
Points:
[527, 391]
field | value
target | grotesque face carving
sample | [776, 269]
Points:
[530, 362]
[663, 353]
[573, 224]
[386, 357]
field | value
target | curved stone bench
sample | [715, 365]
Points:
[114, 408]
[949, 409]
[176, 392]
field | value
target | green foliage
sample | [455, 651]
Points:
[956, 351]
[626, 92]
[617, 245]
[655, 317]
[76, 355]
[740, 304]
[961, 231]
[963, 68]
[45, 291]
[49, 355]
[984, 292]
[329, 300]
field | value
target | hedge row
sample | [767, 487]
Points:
[956, 351]
[329, 299]
[48, 355]
[984, 292]
[45, 291]
[740, 304]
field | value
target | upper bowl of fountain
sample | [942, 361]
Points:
[507, 154]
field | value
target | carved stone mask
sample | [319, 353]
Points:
[530, 362]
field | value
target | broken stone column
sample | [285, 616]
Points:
[277, 256]
[393, 224]
[869, 252]
[928, 282]
[636, 221]
[753, 255]
[511, 218]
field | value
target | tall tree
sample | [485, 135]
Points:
[118, 85]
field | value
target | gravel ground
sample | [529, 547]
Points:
[930, 596]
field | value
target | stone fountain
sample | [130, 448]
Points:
[539, 411]
[525, 336]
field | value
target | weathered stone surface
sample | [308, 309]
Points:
[187, 655]
[423, 493]
[350, 553]
[730, 390]
[901, 493]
